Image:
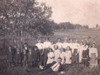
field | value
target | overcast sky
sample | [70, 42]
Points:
[85, 12]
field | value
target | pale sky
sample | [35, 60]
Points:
[85, 12]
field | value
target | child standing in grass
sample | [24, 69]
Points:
[18, 58]
[10, 56]
[36, 57]
[30, 58]
[24, 59]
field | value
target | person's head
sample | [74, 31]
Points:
[25, 44]
[81, 43]
[55, 47]
[39, 41]
[62, 50]
[30, 50]
[93, 45]
[59, 40]
[9, 48]
[70, 40]
[52, 42]
[50, 50]
[47, 39]
[76, 41]
[90, 46]
[18, 50]
[59, 60]
[15, 46]
[68, 48]
[35, 48]
[65, 40]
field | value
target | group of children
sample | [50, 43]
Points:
[54, 56]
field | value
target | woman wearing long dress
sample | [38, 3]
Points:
[93, 54]
[57, 52]
[50, 56]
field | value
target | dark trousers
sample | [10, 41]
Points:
[85, 62]
[41, 57]
[35, 63]
[45, 56]
[30, 64]
[75, 59]
[10, 64]
[64, 67]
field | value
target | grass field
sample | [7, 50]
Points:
[90, 35]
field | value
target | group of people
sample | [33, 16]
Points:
[53, 56]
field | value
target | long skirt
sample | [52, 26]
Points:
[93, 60]
[45, 56]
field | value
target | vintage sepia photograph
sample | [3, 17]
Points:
[49, 37]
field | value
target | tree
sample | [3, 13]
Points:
[97, 25]
[25, 16]
[86, 27]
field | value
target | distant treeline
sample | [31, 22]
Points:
[67, 25]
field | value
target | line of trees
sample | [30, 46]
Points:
[67, 26]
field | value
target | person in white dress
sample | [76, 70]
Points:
[66, 59]
[50, 56]
[52, 45]
[57, 52]
[39, 45]
[93, 54]
[71, 44]
[81, 48]
[75, 52]
[59, 43]
[66, 56]
[65, 44]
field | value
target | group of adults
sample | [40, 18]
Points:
[53, 55]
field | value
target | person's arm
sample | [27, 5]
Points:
[96, 53]
[89, 52]
[62, 57]
[70, 55]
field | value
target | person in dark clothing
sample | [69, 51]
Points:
[10, 56]
[24, 59]
[24, 55]
[14, 50]
[25, 47]
[18, 58]
[30, 57]
[75, 57]
[85, 57]
[53, 67]
[36, 57]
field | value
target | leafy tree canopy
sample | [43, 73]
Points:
[18, 16]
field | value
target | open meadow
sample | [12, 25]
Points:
[91, 35]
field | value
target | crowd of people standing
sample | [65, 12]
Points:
[53, 56]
